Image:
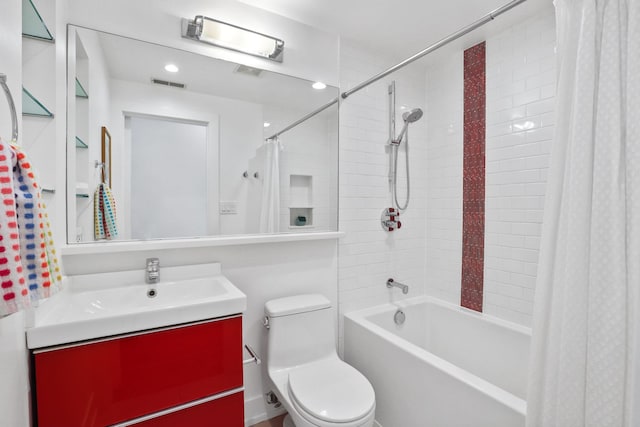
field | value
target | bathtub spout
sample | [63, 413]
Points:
[392, 283]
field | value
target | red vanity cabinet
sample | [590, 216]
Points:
[187, 375]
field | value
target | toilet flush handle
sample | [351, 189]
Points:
[265, 322]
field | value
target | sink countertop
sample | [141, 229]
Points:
[101, 305]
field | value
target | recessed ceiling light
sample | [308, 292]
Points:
[319, 85]
[172, 68]
[266, 124]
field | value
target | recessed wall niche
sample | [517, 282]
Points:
[301, 200]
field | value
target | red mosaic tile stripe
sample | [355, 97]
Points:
[473, 178]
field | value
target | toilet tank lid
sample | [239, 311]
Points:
[296, 304]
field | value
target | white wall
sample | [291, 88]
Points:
[444, 178]
[520, 87]
[14, 386]
[369, 255]
[309, 52]
[520, 118]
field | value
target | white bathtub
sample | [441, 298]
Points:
[446, 366]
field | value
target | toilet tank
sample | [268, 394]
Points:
[301, 330]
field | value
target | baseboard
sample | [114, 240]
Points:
[257, 410]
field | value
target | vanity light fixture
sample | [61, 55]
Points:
[172, 68]
[229, 36]
[319, 86]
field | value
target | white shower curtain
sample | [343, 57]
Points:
[585, 323]
[270, 206]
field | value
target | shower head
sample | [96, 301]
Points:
[409, 117]
[412, 115]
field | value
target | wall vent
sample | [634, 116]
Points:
[168, 83]
[248, 71]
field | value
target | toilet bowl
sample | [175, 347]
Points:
[313, 384]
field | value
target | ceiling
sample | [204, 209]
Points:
[398, 28]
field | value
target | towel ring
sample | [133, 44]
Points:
[12, 107]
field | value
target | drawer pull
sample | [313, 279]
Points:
[254, 356]
[178, 408]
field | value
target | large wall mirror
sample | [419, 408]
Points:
[165, 143]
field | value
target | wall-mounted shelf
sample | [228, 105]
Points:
[301, 200]
[80, 92]
[32, 107]
[80, 143]
[32, 24]
[300, 217]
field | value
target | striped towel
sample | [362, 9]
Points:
[37, 249]
[14, 293]
[104, 213]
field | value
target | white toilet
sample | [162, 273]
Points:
[314, 385]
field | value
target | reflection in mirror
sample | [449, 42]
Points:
[188, 155]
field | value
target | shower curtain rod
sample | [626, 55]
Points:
[479, 23]
[454, 36]
[12, 108]
[303, 119]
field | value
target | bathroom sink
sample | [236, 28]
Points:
[100, 305]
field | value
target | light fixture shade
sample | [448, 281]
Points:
[229, 36]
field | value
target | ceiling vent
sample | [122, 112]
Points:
[248, 71]
[168, 83]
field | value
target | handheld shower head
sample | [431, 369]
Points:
[408, 117]
[412, 115]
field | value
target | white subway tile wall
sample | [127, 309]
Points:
[368, 255]
[520, 75]
[520, 86]
[444, 178]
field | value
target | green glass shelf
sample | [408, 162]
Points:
[32, 24]
[80, 92]
[80, 143]
[32, 107]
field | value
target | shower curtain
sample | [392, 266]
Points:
[585, 322]
[270, 206]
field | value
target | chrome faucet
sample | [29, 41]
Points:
[153, 271]
[392, 283]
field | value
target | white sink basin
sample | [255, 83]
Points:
[101, 305]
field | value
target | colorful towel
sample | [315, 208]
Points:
[104, 213]
[14, 293]
[42, 272]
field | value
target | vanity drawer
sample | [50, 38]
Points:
[111, 381]
[227, 411]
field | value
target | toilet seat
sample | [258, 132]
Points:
[330, 392]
